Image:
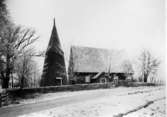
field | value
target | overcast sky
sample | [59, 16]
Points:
[115, 24]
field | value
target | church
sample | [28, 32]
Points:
[98, 65]
[54, 70]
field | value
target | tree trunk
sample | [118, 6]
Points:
[12, 80]
[5, 80]
[5, 83]
[145, 77]
[23, 82]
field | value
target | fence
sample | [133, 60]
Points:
[4, 99]
[22, 93]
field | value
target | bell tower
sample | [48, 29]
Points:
[54, 69]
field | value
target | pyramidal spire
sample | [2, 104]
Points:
[54, 69]
[54, 22]
[54, 39]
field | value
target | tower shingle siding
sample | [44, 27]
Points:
[54, 70]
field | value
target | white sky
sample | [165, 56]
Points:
[115, 24]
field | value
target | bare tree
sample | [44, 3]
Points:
[3, 22]
[14, 41]
[70, 68]
[127, 67]
[25, 67]
[149, 64]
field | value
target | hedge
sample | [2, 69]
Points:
[22, 93]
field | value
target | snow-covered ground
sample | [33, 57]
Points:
[113, 102]
[157, 109]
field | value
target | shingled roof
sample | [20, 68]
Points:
[54, 43]
[93, 60]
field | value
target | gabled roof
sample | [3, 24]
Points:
[86, 59]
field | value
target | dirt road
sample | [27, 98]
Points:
[94, 103]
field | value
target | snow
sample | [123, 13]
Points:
[113, 102]
[157, 109]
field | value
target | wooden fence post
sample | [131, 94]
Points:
[0, 100]
[6, 98]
